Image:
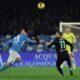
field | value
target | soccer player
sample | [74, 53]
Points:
[17, 44]
[69, 36]
[62, 54]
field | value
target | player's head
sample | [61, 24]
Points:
[23, 31]
[67, 30]
[58, 34]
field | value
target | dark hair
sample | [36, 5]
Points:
[23, 27]
[59, 32]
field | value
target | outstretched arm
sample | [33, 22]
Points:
[9, 41]
[51, 44]
[30, 40]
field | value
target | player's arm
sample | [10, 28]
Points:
[51, 44]
[30, 40]
[68, 43]
[9, 41]
[74, 38]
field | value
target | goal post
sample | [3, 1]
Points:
[75, 28]
[69, 24]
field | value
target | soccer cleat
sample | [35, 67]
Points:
[71, 73]
[61, 76]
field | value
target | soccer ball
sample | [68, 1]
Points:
[41, 5]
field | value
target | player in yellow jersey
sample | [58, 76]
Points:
[69, 36]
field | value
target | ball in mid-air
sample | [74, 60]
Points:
[41, 5]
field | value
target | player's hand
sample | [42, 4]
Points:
[47, 49]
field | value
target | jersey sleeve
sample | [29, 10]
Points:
[68, 43]
[30, 40]
[74, 38]
[51, 44]
[10, 41]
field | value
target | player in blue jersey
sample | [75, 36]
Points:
[17, 44]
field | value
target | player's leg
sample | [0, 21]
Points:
[62, 65]
[1, 63]
[71, 56]
[69, 64]
[13, 56]
[73, 61]
[58, 65]
[69, 50]
[5, 66]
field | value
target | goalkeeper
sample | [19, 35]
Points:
[69, 36]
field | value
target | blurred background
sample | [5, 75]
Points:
[14, 13]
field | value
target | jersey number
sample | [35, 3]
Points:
[62, 43]
[16, 39]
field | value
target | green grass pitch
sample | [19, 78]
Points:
[37, 74]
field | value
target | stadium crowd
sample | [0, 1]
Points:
[44, 41]
[13, 14]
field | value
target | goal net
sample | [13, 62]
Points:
[75, 28]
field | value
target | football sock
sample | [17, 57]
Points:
[5, 66]
[60, 70]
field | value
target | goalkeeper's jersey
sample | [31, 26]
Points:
[69, 37]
